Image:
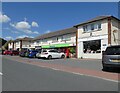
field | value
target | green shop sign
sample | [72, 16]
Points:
[56, 46]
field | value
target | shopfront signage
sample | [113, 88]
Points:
[56, 46]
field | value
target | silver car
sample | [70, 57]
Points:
[111, 57]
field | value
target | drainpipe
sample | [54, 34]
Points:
[13, 45]
[109, 31]
[76, 43]
[20, 45]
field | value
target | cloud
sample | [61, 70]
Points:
[4, 18]
[34, 24]
[22, 36]
[9, 38]
[21, 25]
[48, 31]
[36, 32]
[24, 27]
[28, 31]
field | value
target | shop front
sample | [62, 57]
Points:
[68, 49]
[92, 47]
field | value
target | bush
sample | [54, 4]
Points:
[72, 50]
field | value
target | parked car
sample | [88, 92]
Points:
[32, 53]
[14, 52]
[111, 57]
[38, 54]
[6, 52]
[51, 54]
[22, 53]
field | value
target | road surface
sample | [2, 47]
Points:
[19, 76]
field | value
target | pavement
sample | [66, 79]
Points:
[87, 67]
[26, 75]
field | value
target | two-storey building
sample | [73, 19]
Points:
[62, 39]
[20, 43]
[95, 35]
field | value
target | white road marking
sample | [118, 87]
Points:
[1, 73]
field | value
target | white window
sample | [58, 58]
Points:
[85, 28]
[95, 26]
[91, 27]
[99, 26]
[66, 38]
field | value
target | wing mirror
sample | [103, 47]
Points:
[103, 52]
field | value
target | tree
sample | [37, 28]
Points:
[5, 46]
[2, 42]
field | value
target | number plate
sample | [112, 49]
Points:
[115, 60]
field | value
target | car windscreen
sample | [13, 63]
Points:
[53, 51]
[113, 51]
[14, 51]
[44, 50]
[34, 51]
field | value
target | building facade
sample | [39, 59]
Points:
[87, 40]
[62, 39]
[95, 35]
[20, 43]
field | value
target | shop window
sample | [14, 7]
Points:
[92, 46]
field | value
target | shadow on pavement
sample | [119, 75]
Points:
[113, 70]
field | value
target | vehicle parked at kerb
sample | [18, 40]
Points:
[32, 53]
[14, 52]
[111, 57]
[38, 54]
[49, 54]
[22, 53]
[6, 52]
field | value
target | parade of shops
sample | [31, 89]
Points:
[86, 40]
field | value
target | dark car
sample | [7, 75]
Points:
[32, 53]
[14, 52]
[111, 57]
[22, 53]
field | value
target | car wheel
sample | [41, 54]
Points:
[63, 56]
[49, 57]
[34, 56]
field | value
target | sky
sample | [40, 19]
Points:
[30, 19]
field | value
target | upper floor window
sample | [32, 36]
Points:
[37, 41]
[99, 26]
[17, 42]
[66, 38]
[44, 41]
[55, 39]
[91, 27]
